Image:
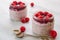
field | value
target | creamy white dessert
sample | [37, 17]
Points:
[17, 10]
[42, 23]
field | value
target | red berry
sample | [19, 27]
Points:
[19, 2]
[50, 15]
[15, 2]
[23, 20]
[41, 13]
[21, 5]
[27, 19]
[47, 17]
[36, 15]
[45, 13]
[41, 19]
[40, 16]
[53, 33]
[22, 29]
[32, 4]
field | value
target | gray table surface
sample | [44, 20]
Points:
[6, 25]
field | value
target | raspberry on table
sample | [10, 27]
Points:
[22, 28]
[53, 33]
[25, 20]
[32, 4]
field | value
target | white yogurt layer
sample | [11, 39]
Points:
[17, 15]
[42, 29]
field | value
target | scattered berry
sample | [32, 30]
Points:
[22, 28]
[23, 20]
[53, 33]
[32, 4]
[27, 19]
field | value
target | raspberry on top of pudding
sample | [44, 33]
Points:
[17, 5]
[43, 17]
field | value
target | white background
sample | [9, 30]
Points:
[6, 25]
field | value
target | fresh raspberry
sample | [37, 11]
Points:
[45, 13]
[19, 2]
[22, 28]
[50, 15]
[23, 20]
[41, 13]
[36, 15]
[27, 19]
[15, 2]
[40, 16]
[53, 33]
[32, 4]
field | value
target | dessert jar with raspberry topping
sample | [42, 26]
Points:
[42, 23]
[17, 10]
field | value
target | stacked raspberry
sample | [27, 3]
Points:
[43, 17]
[17, 5]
